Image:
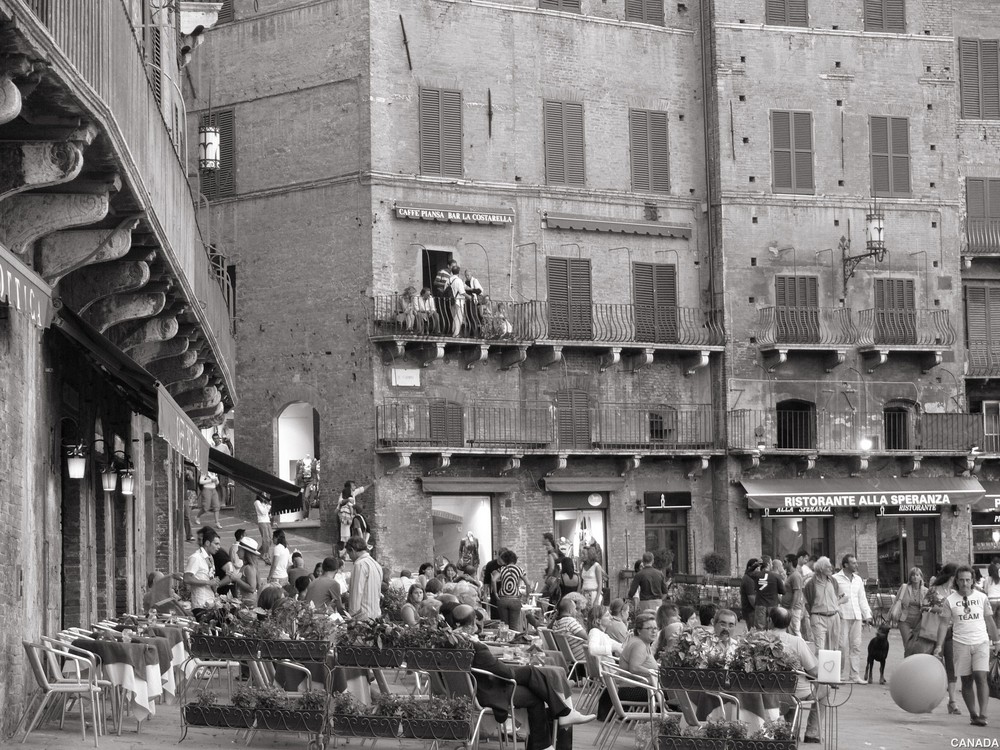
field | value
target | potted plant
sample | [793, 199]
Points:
[225, 632]
[379, 643]
[206, 712]
[699, 661]
[350, 718]
[761, 664]
[305, 714]
[439, 719]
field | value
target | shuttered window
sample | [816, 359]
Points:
[644, 11]
[441, 132]
[649, 152]
[890, 150]
[226, 12]
[895, 312]
[569, 299]
[979, 78]
[221, 183]
[654, 300]
[574, 419]
[446, 424]
[571, 5]
[564, 152]
[982, 325]
[885, 15]
[796, 303]
[792, 152]
[983, 199]
[796, 291]
[786, 12]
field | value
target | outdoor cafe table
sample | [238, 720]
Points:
[136, 667]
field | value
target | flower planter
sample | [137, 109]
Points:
[229, 717]
[223, 648]
[668, 742]
[286, 720]
[434, 659]
[725, 680]
[351, 725]
[437, 729]
[313, 651]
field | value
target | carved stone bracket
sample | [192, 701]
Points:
[631, 464]
[875, 358]
[207, 413]
[700, 362]
[860, 465]
[120, 308]
[514, 357]
[168, 372]
[835, 359]
[160, 328]
[205, 423]
[561, 461]
[911, 464]
[404, 462]
[968, 465]
[156, 350]
[34, 165]
[63, 252]
[640, 359]
[28, 217]
[774, 359]
[751, 461]
[199, 398]
[430, 353]
[513, 463]
[97, 282]
[807, 463]
[610, 358]
[479, 354]
[551, 355]
[931, 360]
[175, 388]
[698, 467]
[444, 461]
[10, 99]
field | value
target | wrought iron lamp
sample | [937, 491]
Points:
[874, 243]
[208, 147]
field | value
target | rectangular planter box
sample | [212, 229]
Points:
[437, 729]
[419, 729]
[312, 651]
[346, 725]
[433, 659]
[285, 720]
[725, 680]
[227, 717]
[666, 742]
[223, 648]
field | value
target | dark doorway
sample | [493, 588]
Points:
[796, 425]
[896, 424]
[433, 261]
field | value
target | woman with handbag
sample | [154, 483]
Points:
[905, 610]
[924, 636]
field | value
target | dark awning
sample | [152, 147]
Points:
[250, 476]
[137, 386]
[584, 484]
[992, 499]
[862, 492]
[470, 485]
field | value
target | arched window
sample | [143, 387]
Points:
[298, 437]
[796, 425]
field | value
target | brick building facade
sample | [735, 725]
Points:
[659, 223]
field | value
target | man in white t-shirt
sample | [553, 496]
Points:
[973, 631]
[199, 572]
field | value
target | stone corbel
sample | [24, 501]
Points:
[156, 350]
[160, 328]
[911, 464]
[931, 360]
[35, 165]
[430, 353]
[807, 463]
[478, 354]
[63, 252]
[97, 282]
[836, 359]
[551, 355]
[205, 423]
[120, 308]
[700, 362]
[10, 99]
[698, 467]
[168, 372]
[404, 462]
[206, 413]
[444, 461]
[968, 465]
[561, 461]
[514, 357]
[180, 386]
[861, 464]
[774, 359]
[610, 358]
[877, 358]
[199, 398]
[27, 217]
[631, 464]
[640, 359]
[513, 463]
[751, 461]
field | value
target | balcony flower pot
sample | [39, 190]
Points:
[223, 647]
[227, 717]
[295, 650]
[288, 720]
[437, 729]
[354, 725]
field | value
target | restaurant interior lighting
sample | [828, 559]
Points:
[996, 536]
[76, 462]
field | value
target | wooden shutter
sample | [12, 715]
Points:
[885, 15]
[895, 312]
[890, 154]
[573, 5]
[880, 155]
[574, 419]
[786, 12]
[555, 149]
[803, 156]
[557, 273]
[654, 296]
[451, 133]
[899, 131]
[430, 131]
[975, 197]
[989, 67]
[645, 11]
[797, 13]
[221, 183]
[796, 291]
[993, 199]
[969, 78]
[446, 423]
[634, 10]
[782, 179]
[226, 12]
[874, 15]
[977, 323]
[643, 302]
[156, 62]
[580, 305]
[649, 149]
[573, 138]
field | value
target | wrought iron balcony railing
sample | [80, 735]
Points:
[492, 320]
[983, 236]
[905, 328]
[890, 431]
[514, 426]
[984, 358]
[817, 326]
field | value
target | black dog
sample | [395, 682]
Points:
[878, 651]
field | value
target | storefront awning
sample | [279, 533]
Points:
[992, 499]
[177, 428]
[469, 485]
[584, 484]
[252, 477]
[862, 492]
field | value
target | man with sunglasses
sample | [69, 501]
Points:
[973, 632]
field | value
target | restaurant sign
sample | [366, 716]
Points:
[821, 511]
[179, 431]
[496, 217]
[986, 519]
[23, 290]
[871, 500]
[911, 509]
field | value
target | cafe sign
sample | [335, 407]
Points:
[179, 431]
[821, 511]
[494, 217]
[23, 290]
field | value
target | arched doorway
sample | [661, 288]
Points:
[298, 437]
[898, 425]
[796, 424]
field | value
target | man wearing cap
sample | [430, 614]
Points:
[536, 690]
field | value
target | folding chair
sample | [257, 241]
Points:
[626, 714]
[55, 647]
[463, 685]
[562, 641]
[550, 642]
[593, 685]
[82, 687]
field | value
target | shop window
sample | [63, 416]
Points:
[796, 425]
[454, 519]
[667, 538]
[783, 536]
[906, 542]
[991, 426]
